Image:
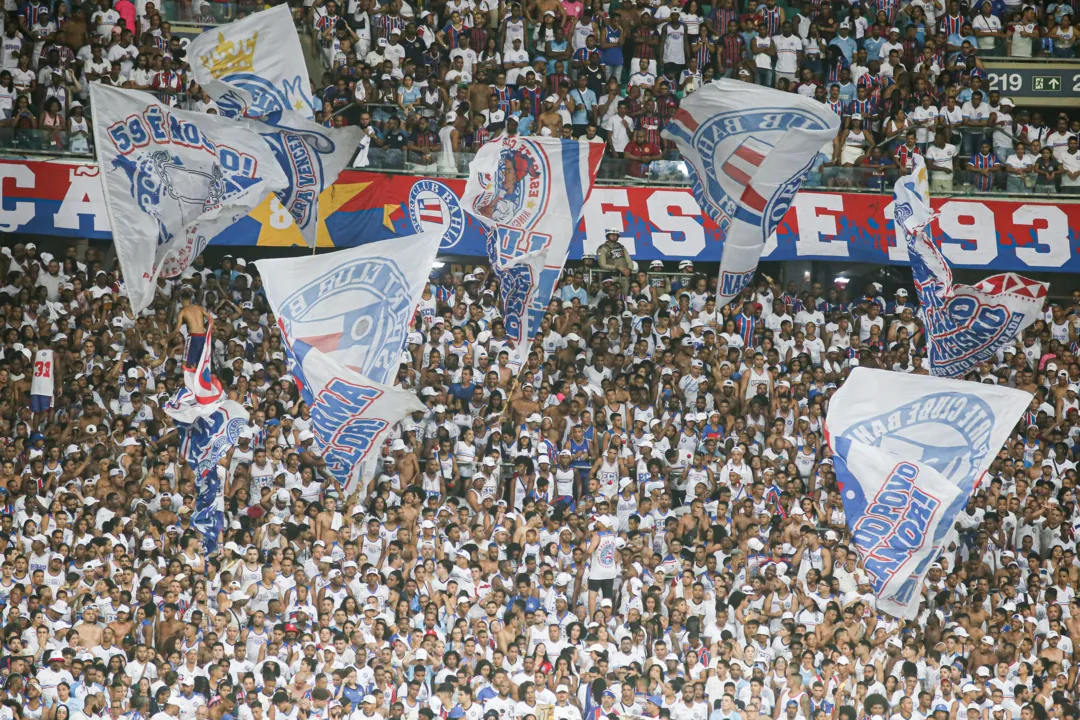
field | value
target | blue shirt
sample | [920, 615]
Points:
[847, 45]
[584, 102]
[873, 48]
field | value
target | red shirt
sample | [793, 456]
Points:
[635, 151]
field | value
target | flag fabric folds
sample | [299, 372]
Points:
[208, 424]
[173, 180]
[254, 68]
[909, 450]
[529, 193]
[965, 324]
[350, 415]
[355, 305]
[748, 149]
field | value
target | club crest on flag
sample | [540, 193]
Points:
[358, 314]
[733, 147]
[433, 207]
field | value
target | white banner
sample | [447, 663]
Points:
[965, 324]
[910, 435]
[529, 194]
[173, 180]
[748, 149]
[354, 305]
[254, 67]
[350, 414]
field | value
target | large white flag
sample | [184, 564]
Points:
[351, 415]
[354, 305]
[748, 149]
[254, 67]
[909, 450]
[529, 193]
[965, 324]
[173, 180]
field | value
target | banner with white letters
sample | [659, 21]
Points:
[748, 149]
[965, 324]
[909, 450]
[528, 193]
[173, 180]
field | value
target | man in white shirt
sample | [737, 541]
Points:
[976, 117]
[987, 27]
[642, 76]
[788, 52]
[620, 129]
[939, 159]
[1070, 165]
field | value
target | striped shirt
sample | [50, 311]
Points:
[771, 18]
[978, 161]
[905, 155]
[531, 99]
[641, 50]
[732, 50]
[745, 326]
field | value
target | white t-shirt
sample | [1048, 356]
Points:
[787, 53]
[940, 156]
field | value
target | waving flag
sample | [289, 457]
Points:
[965, 324]
[353, 305]
[909, 450]
[350, 414]
[529, 193]
[254, 68]
[204, 386]
[748, 149]
[206, 434]
[172, 180]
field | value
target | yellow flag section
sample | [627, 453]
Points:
[278, 228]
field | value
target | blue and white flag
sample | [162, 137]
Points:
[206, 434]
[529, 194]
[909, 450]
[748, 149]
[354, 305]
[965, 324]
[254, 68]
[351, 415]
[173, 180]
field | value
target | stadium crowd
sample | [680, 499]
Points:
[433, 82]
[644, 524]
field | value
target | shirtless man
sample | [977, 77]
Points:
[328, 522]
[549, 118]
[525, 405]
[88, 628]
[407, 464]
[535, 11]
[123, 623]
[194, 318]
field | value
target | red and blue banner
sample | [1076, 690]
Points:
[665, 223]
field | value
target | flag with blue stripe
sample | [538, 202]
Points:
[908, 452]
[529, 194]
[748, 149]
[965, 324]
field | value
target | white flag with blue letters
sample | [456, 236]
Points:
[748, 149]
[965, 324]
[172, 180]
[350, 415]
[909, 450]
[354, 305]
[254, 68]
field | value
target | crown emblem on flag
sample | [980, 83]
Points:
[231, 56]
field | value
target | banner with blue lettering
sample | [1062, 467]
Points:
[254, 68]
[172, 180]
[965, 324]
[206, 434]
[897, 440]
[748, 149]
[529, 194]
[350, 414]
[356, 305]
